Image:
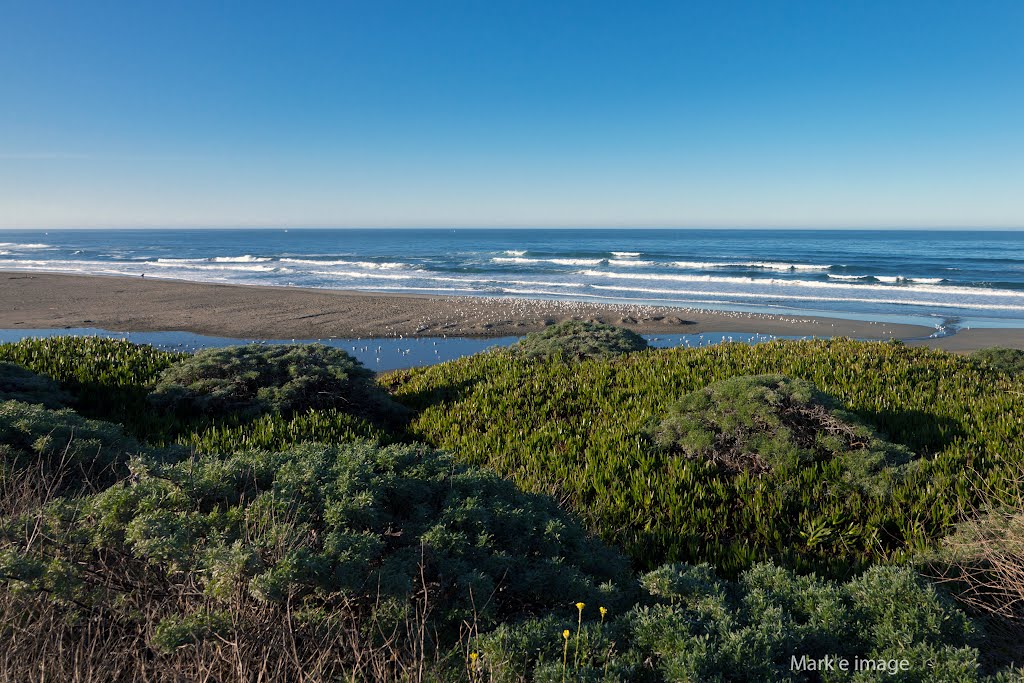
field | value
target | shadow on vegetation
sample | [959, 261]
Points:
[922, 432]
[417, 401]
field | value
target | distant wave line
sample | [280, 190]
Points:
[369, 265]
[804, 283]
[250, 267]
[247, 258]
[556, 261]
[794, 297]
[763, 265]
[17, 245]
[632, 262]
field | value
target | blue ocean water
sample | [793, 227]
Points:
[973, 278]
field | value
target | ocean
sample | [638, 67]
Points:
[941, 278]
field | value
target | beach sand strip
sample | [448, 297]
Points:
[128, 304]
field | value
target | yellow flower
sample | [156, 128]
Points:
[473, 656]
[565, 634]
[580, 606]
[604, 611]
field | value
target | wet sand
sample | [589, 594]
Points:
[965, 341]
[128, 304]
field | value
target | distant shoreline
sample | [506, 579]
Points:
[34, 300]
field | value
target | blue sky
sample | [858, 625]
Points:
[773, 113]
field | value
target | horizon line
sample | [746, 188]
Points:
[877, 228]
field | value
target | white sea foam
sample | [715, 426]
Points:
[313, 262]
[16, 263]
[814, 284]
[364, 275]
[848, 277]
[536, 283]
[247, 269]
[207, 266]
[760, 265]
[789, 266]
[389, 288]
[901, 278]
[426, 276]
[501, 283]
[792, 297]
[556, 261]
[369, 265]
[248, 258]
[697, 265]
[701, 297]
[78, 267]
[577, 261]
[374, 265]
[626, 254]
[631, 262]
[17, 245]
[515, 252]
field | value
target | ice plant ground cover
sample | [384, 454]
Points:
[628, 514]
[586, 431]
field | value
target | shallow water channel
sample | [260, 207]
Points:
[379, 354]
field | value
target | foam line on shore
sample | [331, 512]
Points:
[716, 279]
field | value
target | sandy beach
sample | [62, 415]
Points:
[124, 304]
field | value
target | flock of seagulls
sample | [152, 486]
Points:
[477, 316]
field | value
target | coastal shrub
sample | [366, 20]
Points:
[256, 379]
[578, 339]
[982, 564]
[325, 553]
[1006, 361]
[177, 631]
[752, 630]
[377, 525]
[987, 558]
[60, 447]
[773, 425]
[359, 562]
[20, 384]
[770, 624]
[579, 430]
[577, 645]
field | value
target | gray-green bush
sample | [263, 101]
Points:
[255, 379]
[752, 630]
[1005, 361]
[774, 425]
[70, 451]
[268, 556]
[578, 339]
[375, 524]
[695, 626]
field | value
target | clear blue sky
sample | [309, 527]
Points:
[375, 113]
